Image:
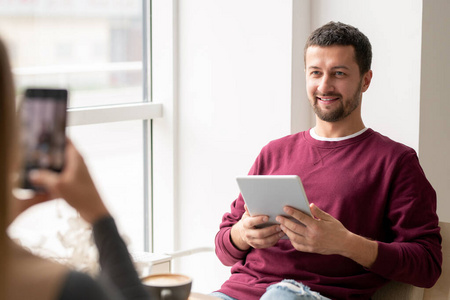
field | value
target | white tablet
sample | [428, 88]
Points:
[268, 194]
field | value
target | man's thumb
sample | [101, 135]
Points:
[317, 212]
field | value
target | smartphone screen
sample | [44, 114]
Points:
[43, 131]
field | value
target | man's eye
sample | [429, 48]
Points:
[339, 73]
[315, 73]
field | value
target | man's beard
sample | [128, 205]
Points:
[341, 111]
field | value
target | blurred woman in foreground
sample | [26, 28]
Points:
[25, 276]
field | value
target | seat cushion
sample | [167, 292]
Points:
[397, 291]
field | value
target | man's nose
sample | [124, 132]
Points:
[326, 85]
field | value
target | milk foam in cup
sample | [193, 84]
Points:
[168, 286]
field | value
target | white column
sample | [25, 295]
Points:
[434, 140]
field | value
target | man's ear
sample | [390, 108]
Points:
[367, 78]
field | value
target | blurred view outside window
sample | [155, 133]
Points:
[93, 48]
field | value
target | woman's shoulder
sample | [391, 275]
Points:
[41, 277]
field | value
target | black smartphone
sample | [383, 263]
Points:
[42, 115]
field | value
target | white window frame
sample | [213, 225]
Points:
[113, 113]
[145, 111]
[159, 114]
[165, 129]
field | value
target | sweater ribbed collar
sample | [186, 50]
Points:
[333, 143]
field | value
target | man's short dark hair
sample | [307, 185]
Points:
[337, 33]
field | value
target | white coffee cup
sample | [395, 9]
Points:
[168, 286]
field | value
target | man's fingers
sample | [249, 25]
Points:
[289, 225]
[264, 237]
[298, 215]
[318, 213]
[266, 242]
[252, 222]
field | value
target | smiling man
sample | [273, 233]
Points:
[374, 211]
[335, 85]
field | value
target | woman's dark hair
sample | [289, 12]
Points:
[7, 113]
[337, 33]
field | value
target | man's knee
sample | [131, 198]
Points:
[289, 289]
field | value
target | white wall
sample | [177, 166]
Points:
[234, 96]
[435, 105]
[392, 103]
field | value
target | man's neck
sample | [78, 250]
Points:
[338, 129]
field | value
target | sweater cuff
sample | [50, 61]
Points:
[231, 248]
[387, 260]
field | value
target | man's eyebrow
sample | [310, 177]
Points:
[341, 67]
[335, 67]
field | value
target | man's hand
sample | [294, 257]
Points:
[244, 233]
[324, 234]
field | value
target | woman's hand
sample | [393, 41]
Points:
[74, 184]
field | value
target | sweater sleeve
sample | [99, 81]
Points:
[118, 279]
[413, 254]
[117, 268]
[227, 253]
[82, 286]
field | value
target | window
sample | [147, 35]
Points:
[99, 51]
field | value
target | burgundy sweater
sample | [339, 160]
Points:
[375, 187]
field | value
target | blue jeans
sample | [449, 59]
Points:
[221, 296]
[287, 289]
